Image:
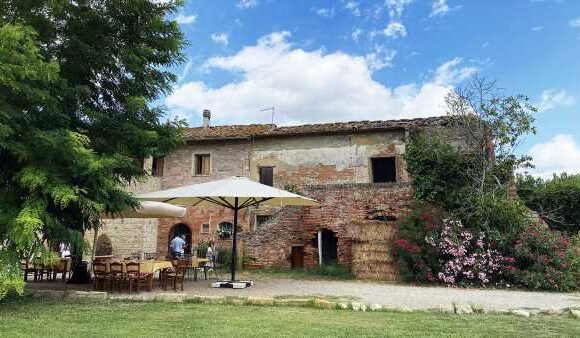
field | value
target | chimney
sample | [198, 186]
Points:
[206, 117]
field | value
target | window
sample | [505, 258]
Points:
[267, 176]
[261, 220]
[225, 230]
[202, 164]
[384, 169]
[205, 228]
[157, 167]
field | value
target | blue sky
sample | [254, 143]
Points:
[318, 61]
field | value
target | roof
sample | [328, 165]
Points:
[268, 130]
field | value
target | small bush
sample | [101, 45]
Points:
[541, 260]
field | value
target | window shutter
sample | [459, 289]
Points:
[267, 176]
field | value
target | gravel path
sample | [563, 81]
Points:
[395, 296]
[385, 294]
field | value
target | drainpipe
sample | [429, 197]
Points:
[319, 247]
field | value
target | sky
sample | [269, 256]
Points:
[322, 61]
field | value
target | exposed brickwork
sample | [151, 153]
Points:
[329, 162]
[343, 205]
[194, 219]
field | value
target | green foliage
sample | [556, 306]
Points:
[417, 261]
[541, 259]
[439, 172]
[557, 200]
[76, 82]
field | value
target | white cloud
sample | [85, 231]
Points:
[352, 6]
[574, 23]
[325, 12]
[185, 71]
[395, 30]
[310, 86]
[186, 19]
[536, 28]
[380, 57]
[558, 155]
[356, 34]
[220, 38]
[439, 8]
[554, 98]
[396, 7]
[247, 3]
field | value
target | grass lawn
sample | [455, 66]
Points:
[53, 318]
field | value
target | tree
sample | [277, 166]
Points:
[491, 125]
[77, 79]
[556, 200]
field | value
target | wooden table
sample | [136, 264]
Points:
[149, 267]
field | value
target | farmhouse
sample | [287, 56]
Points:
[356, 169]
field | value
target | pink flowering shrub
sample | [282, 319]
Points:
[465, 258]
[542, 260]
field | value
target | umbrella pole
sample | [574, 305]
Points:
[234, 240]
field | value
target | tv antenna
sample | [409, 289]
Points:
[272, 109]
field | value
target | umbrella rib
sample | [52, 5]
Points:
[245, 204]
[211, 200]
[226, 203]
[258, 202]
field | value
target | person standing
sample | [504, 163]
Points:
[177, 246]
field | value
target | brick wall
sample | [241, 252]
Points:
[343, 205]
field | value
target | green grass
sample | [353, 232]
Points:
[62, 318]
[320, 272]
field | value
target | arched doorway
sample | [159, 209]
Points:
[178, 230]
[328, 246]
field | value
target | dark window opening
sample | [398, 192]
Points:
[261, 220]
[384, 169]
[267, 176]
[225, 230]
[205, 228]
[202, 164]
[157, 167]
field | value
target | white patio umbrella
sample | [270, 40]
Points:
[234, 193]
[150, 209]
[146, 209]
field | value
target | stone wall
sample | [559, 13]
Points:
[327, 159]
[343, 205]
[227, 159]
[129, 235]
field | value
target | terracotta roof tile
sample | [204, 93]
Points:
[267, 130]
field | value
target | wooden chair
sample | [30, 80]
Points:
[101, 275]
[41, 270]
[136, 277]
[177, 275]
[61, 268]
[28, 268]
[117, 275]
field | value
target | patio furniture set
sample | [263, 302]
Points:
[137, 275]
[40, 271]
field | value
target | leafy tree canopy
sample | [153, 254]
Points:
[557, 200]
[77, 79]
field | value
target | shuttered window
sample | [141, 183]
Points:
[202, 164]
[267, 176]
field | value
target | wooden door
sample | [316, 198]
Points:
[297, 257]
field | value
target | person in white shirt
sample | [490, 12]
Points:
[177, 246]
